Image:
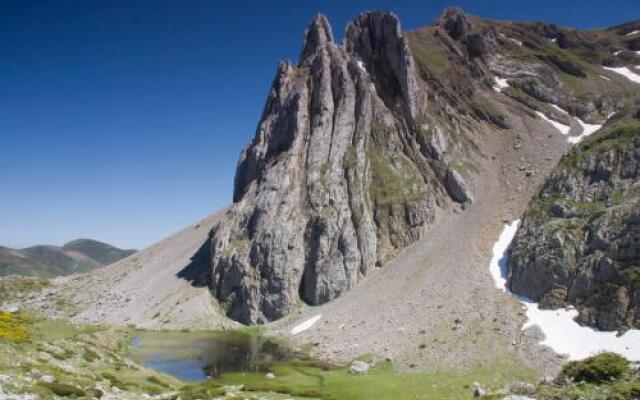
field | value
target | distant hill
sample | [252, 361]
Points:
[47, 261]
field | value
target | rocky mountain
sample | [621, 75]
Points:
[381, 174]
[77, 256]
[363, 144]
[347, 167]
[579, 243]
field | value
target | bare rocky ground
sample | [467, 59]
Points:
[435, 305]
[152, 289]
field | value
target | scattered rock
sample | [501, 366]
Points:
[522, 388]
[458, 188]
[358, 367]
[478, 390]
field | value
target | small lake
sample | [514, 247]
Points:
[197, 356]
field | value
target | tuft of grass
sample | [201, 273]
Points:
[604, 367]
[205, 390]
[391, 185]
[487, 111]
[429, 52]
[156, 381]
[90, 355]
[64, 390]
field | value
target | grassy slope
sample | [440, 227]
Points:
[54, 359]
[381, 382]
[11, 264]
[101, 252]
[87, 360]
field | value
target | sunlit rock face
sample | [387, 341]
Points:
[579, 243]
[341, 174]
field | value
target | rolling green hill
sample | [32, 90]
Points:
[47, 261]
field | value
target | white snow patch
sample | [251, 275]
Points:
[303, 326]
[565, 336]
[554, 40]
[361, 65]
[498, 264]
[626, 72]
[500, 83]
[604, 77]
[587, 129]
[632, 33]
[615, 53]
[562, 333]
[562, 128]
[519, 43]
[558, 108]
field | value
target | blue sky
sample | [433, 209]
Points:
[123, 120]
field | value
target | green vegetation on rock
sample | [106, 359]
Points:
[604, 367]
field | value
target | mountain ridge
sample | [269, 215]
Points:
[47, 261]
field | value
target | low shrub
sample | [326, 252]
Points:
[63, 389]
[12, 326]
[603, 367]
[156, 381]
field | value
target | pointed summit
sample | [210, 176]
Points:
[376, 39]
[317, 35]
[455, 22]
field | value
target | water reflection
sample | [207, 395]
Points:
[199, 355]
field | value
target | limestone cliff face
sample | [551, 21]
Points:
[361, 144]
[340, 175]
[579, 243]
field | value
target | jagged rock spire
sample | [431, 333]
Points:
[307, 223]
[376, 39]
[455, 22]
[317, 35]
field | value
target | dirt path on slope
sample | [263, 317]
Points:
[435, 305]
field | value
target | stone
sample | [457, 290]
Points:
[270, 375]
[458, 188]
[358, 368]
[522, 388]
[478, 390]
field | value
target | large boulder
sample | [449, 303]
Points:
[457, 187]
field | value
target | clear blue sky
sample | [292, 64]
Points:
[123, 120]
